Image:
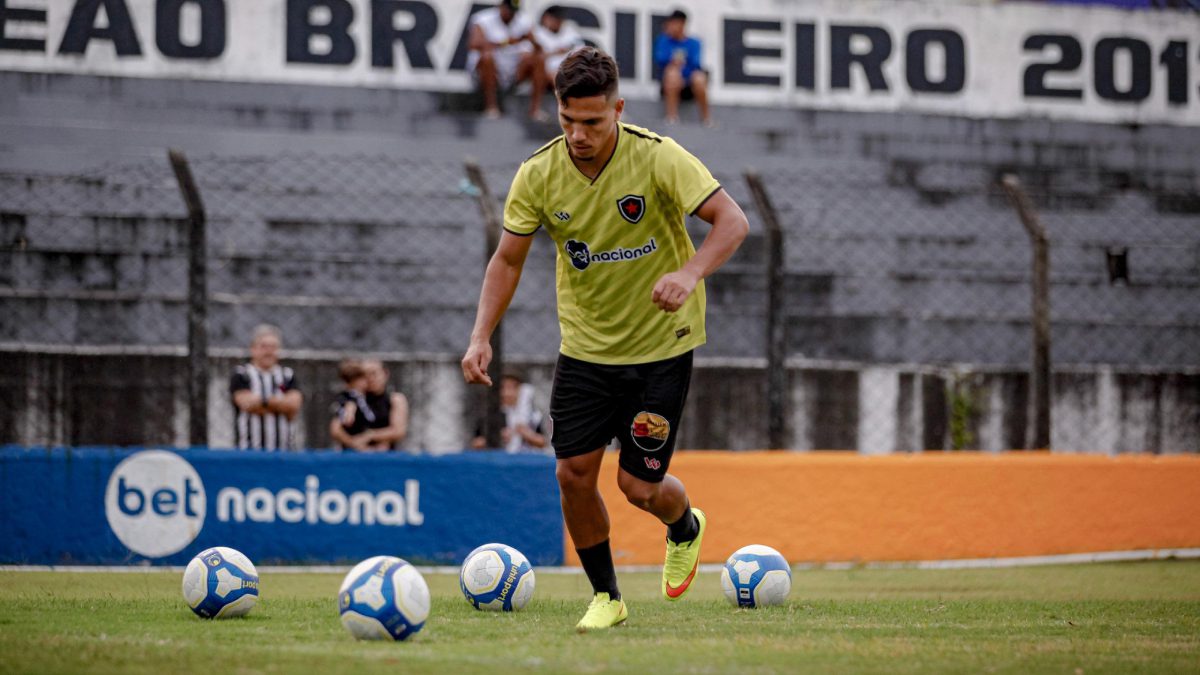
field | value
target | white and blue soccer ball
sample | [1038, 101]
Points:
[756, 576]
[220, 583]
[497, 578]
[383, 598]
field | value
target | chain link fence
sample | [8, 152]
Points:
[905, 304]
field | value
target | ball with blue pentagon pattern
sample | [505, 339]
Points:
[220, 583]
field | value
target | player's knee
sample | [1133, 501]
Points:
[639, 493]
[574, 478]
[699, 81]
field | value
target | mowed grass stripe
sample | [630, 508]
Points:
[1127, 617]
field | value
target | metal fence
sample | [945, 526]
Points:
[903, 303]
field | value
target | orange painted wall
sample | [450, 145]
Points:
[842, 506]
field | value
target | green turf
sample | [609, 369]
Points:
[1118, 618]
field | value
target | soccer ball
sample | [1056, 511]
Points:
[219, 583]
[383, 598]
[497, 577]
[756, 576]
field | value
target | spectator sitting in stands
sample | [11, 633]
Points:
[683, 76]
[525, 426]
[556, 38]
[503, 54]
[369, 416]
[266, 397]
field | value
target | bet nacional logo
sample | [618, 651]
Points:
[155, 503]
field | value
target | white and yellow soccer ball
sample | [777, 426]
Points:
[220, 583]
[497, 577]
[756, 576]
[383, 598]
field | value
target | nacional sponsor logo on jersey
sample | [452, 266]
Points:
[156, 504]
[582, 257]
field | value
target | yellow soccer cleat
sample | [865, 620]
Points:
[602, 613]
[679, 569]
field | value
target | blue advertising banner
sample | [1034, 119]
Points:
[120, 506]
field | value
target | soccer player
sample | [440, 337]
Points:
[631, 309]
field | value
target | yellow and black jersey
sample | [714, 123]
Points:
[616, 235]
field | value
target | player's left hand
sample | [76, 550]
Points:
[673, 289]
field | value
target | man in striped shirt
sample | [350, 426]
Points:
[266, 398]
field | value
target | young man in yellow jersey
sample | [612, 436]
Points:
[631, 310]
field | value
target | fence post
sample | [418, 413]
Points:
[1039, 380]
[493, 419]
[777, 376]
[197, 301]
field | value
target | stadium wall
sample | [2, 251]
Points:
[84, 399]
[847, 508]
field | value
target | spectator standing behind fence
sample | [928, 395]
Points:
[556, 38]
[368, 415]
[524, 424]
[683, 76]
[266, 397]
[503, 55]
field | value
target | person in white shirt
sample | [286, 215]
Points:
[525, 426]
[503, 54]
[556, 38]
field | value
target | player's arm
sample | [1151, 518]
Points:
[397, 427]
[729, 228]
[499, 283]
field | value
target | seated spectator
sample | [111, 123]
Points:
[368, 415]
[525, 428]
[556, 38]
[503, 55]
[683, 76]
[266, 397]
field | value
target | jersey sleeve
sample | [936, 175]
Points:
[683, 178]
[522, 213]
[289, 381]
[238, 381]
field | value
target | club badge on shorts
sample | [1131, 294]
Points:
[632, 207]
[650, 431]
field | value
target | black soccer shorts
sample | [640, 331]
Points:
[639, 405]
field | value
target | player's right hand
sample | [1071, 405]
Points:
[475, 363]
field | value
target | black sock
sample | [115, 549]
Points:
[686, 528]
[598, 564]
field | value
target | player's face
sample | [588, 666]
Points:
[590, 124]
[264, 352]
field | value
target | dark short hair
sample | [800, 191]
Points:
[678, 14]
[585, 72]
[555, 11]
[514, 5]
[350, 369]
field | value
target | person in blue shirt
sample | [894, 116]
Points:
[683, 76]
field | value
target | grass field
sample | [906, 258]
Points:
[1118, 618]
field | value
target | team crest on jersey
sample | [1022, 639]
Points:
[632, 207]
